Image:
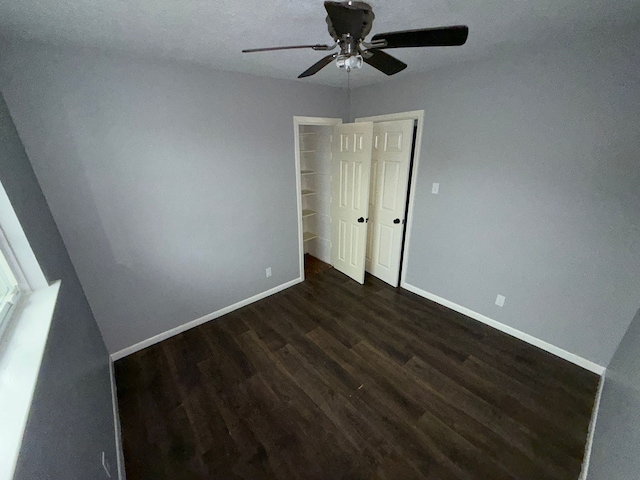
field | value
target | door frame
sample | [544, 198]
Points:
[418, 116]
[297, 123]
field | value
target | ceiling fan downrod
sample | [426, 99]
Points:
[349, 56]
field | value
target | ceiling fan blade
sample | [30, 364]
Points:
[316, 67]
[349, 18]
[384, 62]
[289, 47]
[425, 37]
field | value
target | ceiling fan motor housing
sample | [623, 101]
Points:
[360, 27]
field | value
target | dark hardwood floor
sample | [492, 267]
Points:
[313, 266]
[333, 380]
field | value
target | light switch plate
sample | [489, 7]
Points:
[435, 188]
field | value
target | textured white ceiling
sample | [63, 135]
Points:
[213, 32]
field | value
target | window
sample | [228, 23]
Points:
[22, 345]
[10, 289]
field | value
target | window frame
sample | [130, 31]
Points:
[23, 333]
[14, 285]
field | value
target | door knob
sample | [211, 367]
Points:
[361, 220]
[396, 221]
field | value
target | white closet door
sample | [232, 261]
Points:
[351, 167]
[391, 159]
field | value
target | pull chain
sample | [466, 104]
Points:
[349, 94]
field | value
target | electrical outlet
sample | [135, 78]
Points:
[500, 300]
[435, 188]
[105, 465]
[268, 272]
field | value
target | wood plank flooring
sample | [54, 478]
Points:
[314, 266]
[334, 380]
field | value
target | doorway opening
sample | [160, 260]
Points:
[313, 183]
[327, 151]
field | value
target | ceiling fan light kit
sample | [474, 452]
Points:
[350, 22]
[349, 63]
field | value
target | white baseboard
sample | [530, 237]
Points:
[557, 351]
[199, 321]
[116, 425]
[592, 429]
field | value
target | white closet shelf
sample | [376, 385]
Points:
[308, 192]
[308, 236]
[308, 133]
[307, 172]
[307, 151]
[307, 213]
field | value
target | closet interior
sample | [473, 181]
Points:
[315, 181]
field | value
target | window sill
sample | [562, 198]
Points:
[21, 354]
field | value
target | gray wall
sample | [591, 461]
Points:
[71, 417]
[537, 160]
[173, 185]
[616, 441]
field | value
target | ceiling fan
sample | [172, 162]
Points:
[350, 22]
